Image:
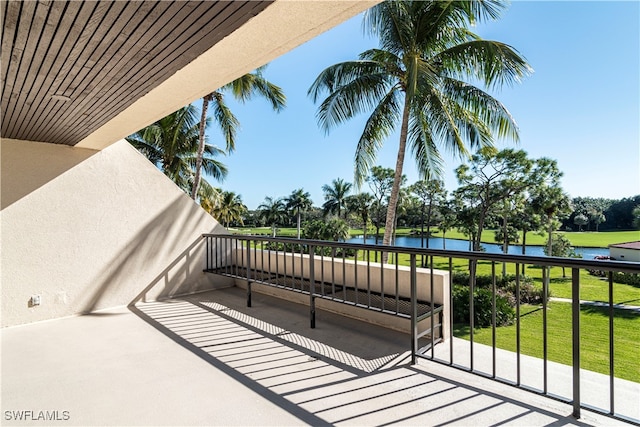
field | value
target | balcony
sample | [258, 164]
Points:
[238, 356]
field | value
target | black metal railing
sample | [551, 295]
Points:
[346, 273]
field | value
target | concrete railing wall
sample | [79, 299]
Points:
[376, 274]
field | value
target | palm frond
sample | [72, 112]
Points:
[226, 120]
[379, 126]
[493, 63]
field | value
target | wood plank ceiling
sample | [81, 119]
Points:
[68, 67]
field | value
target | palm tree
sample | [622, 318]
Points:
[229, 208]
[335, 196]
[272, 211]
[171, 144]
[419, 78]
[299, 201]
[243, 89]
[360, 204]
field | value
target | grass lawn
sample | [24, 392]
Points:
[601, 239]
[594, 342]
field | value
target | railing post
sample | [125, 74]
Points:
[414, 309]
[575, 338]
[312, 286]
[248, 273]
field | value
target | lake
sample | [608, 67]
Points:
[463, 245]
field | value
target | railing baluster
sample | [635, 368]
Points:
[493, 319]
[611, 348]
[248, 271]
[414, 309]
[575, 334]
[450, 310]
[368, 279]
[545, 297]
[333, 272]
[312, 287]
[518, 324]
[433, 328]
[355, 272]
[382, 286]
[472, 275]
[397, 289]
[322, 270]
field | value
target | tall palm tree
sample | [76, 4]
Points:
[273, 211]
[171, 144]
[299, 201]
[335, 196]
[229, 208]
[243, 89]
[418, 78]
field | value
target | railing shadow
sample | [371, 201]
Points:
[343, 371]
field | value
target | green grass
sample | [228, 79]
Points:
[601, 239]
[594, 334]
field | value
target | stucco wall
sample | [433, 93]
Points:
[88, 229]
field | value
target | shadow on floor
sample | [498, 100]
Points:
[344, 371]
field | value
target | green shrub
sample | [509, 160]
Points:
[505, 314]
[506, 286]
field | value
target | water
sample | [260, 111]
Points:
[463, 245]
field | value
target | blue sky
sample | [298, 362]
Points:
[580, 107]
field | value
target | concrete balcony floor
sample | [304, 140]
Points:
[206, 359]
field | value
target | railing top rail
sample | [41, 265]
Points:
[618, 266]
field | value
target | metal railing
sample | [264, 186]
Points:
[345, 273]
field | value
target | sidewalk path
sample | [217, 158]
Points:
[600, 304]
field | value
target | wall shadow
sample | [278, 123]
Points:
[48, 160]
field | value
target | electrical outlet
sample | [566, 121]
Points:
[35, 300]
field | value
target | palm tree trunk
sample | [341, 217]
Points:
[298, 223]
[198, 173]
[397, 179]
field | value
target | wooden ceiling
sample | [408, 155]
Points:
[68, 67]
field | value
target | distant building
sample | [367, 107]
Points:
[629, 251]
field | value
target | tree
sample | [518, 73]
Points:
[636, 217]
[335, 196]
[448, 220]
[359, 205]
[597, 218]
[553, 203]
[273, 212]
[526, 220]
[171, 144]
[229, 208]
[243, 89]
[299, 201]
[561, 247]
[380, 182]
[332, 229]
[580, 220]
[417, 78]
[492, 177]
[431, 193]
